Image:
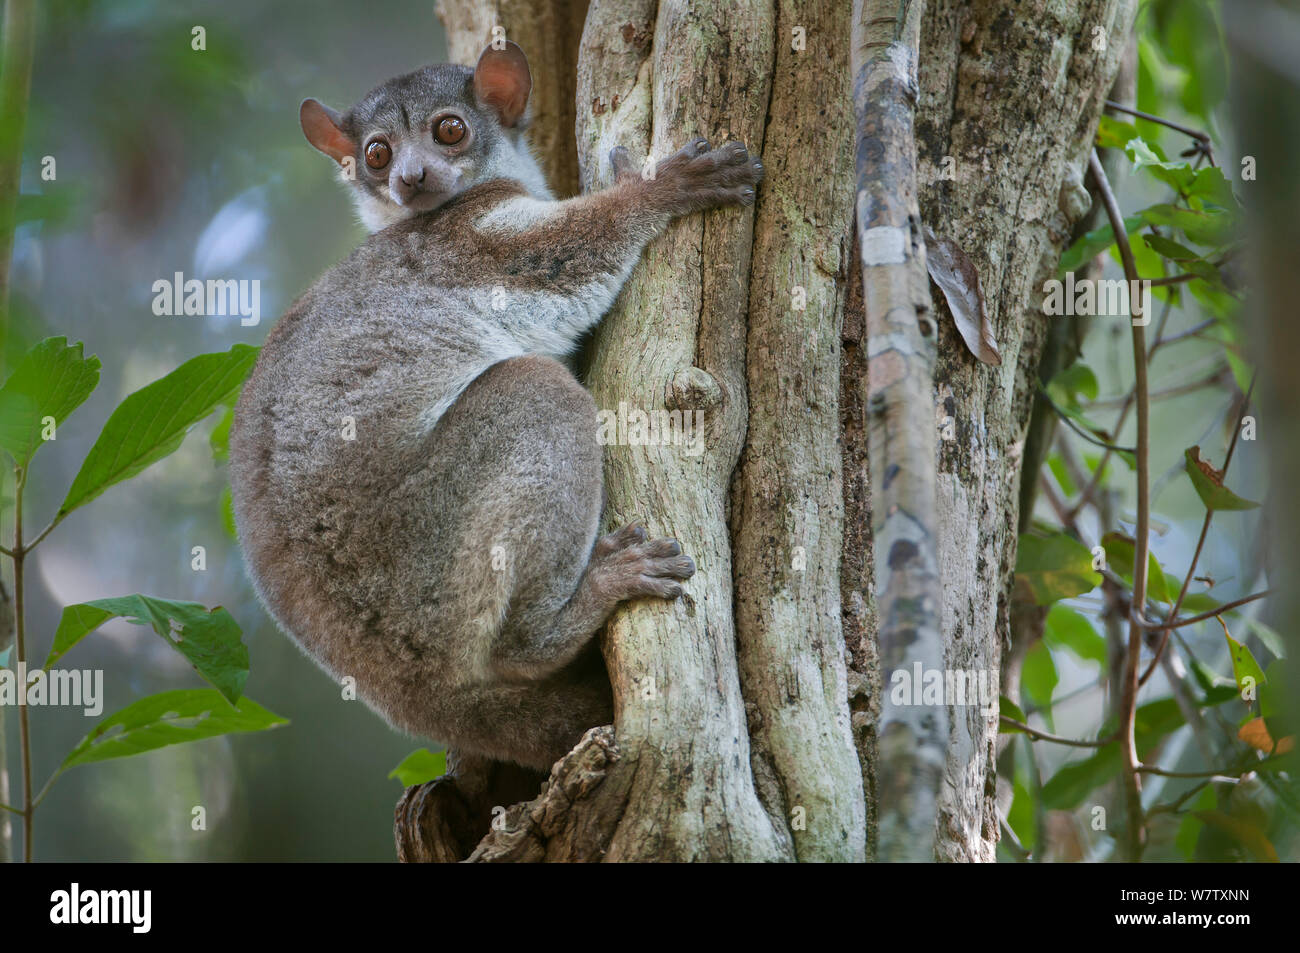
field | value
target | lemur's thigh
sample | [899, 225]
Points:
[523, 440]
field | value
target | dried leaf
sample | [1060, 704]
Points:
[952, 270]
[1255, 733]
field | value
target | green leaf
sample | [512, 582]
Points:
[219, 439]
[152, 422]
[1171, 249]
[1075, 381]
[1056, 567]
[1271, 639]
[1245, 670]
[52, 380]
[1211, 184]
[1178, 175]
[1217, 688]
[1120, 552]
[1155, 721]
[1200, 226]
[167, 719]
[1039, 678]
[1020, 816]
[1190, 829]
[1196, 602]
[1068, 788]
[1068, 629]
[1190, 39]
[1113, 133]
[210, 639]
[420, 766]
[1062, 475]
[1009, 709]
[1209, 484]
[1092, 244]
[228, 514]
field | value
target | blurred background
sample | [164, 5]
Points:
[171, 159]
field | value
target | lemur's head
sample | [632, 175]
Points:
[411, 144]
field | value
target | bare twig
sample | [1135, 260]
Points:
[1057, 739]
[1143, 622]
[1135, 834]
[1065, 419]
[1202, 138]
[1230, 777]
[1200, 543]
[1174, 806]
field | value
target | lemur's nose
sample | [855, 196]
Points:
[413, 177]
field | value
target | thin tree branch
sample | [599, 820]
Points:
[1143, 622]
[1173, 806]
[1202, 138]
[1065, 419]
[1057, 739]
[1220, 776]
[1200, 542]
[1135, 833]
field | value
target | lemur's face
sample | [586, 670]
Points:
[415, 142]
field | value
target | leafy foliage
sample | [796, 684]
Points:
[1185, 240]
[420, 766]
[152, 422]
[169, 718]
[52, 381]
[209, 638]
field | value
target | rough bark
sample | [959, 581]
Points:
[1012, 93]
[787, 511]
[676, 339]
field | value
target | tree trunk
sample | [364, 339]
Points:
[746, 712]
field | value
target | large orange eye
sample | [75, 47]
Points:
[449, 130]
[378, 154]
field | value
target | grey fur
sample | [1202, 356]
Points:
[447, 557]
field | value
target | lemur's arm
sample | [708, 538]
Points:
[590, 243]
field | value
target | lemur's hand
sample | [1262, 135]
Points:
[695, 177]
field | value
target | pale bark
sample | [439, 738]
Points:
[787, 501]
[912, 738]
[676, 339]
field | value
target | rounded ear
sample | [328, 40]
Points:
[502, 81]
[320, 125]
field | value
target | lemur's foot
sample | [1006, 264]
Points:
[696, 177]
[628, 564]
